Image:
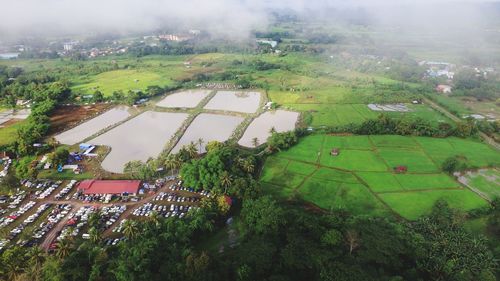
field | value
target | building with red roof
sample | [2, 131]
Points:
[130, 187]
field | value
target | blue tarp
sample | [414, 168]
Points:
[85, 146]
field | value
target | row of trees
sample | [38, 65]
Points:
[385, 125]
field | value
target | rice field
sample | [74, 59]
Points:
[140, 138]
[93, 126]
[245, 102]
[361, 178]
[261, 126]
[208, 127]
[184, 99]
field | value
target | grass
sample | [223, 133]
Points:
[412, 205]
[364, 168]
[122, 80]
[8, 134]
[486, 181]
[354, 160]
[354, 198]
[64, 175]
[416, 161]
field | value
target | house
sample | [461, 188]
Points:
[118, 187]
[445, 89]
[401, 169]
[335, 152]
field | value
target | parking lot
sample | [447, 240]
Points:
[46, 212]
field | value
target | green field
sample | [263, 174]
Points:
[361, 179]
[487, 182]
[121, 80]
[8, 134]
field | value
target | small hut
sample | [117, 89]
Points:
[335, 152]
[401, 169]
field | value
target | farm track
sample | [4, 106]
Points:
[441, 109]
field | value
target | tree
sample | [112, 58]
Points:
[172, 163]
[352, 240]
[248, 165]
[130, 229]
[255, 142]
[200, 143]
[95, 236]
[262, 215]
[226, 180]
[154, 218]
[191, 150]
[59, 157]
[64, 248]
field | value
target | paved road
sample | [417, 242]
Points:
[441, 109]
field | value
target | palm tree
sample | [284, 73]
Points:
[191, 149]
[63, 248]
[248, 166]
[94, 220]
[226, 180]
[95, 236]
[200, 143]
[172, 162]
[36, 257]
[255, 142]
[154, 218]
[52, 142]
[130, 229]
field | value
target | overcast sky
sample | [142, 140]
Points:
[227, 17]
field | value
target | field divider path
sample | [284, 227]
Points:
[421, 190]
[377, 196]
[193, 113]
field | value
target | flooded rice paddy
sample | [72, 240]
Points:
[209, 127]
[139, 138]
[93, 126]
[184, 99]
[260, 127]
[245, 102]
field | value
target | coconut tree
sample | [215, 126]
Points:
[191, 149]
[226, 180]
[200, 143]
[95, 236]
[130, 229]
[154, 218]
[255, 142]
[172, 162]
[36, 257]
[94, 219]
[248, 165]
[63, 248]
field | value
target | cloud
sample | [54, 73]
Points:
[235, 18]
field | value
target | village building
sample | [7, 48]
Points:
[116, 187]
[445, 89]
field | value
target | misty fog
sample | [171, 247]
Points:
[230, 18]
